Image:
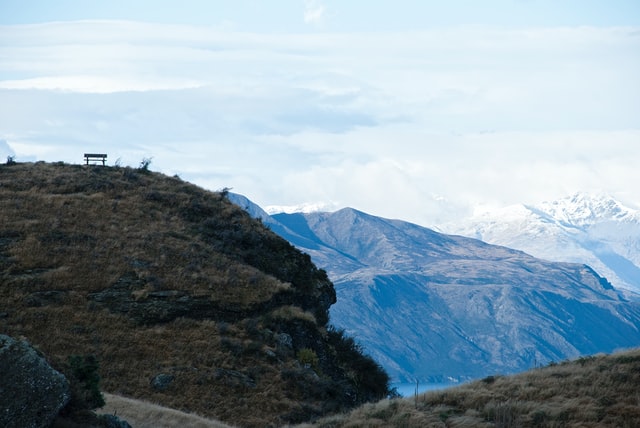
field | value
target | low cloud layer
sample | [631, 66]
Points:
[418, 125]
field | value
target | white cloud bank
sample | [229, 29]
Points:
[413, 125]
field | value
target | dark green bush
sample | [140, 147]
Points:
[371, 380]
[489, 379]
[308, 357]
[85, 381]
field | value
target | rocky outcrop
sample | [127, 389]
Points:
[127, 296]
[166, 305]
[162, 381]
[159, 306]
[32, 393]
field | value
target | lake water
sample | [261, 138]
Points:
[409, 389]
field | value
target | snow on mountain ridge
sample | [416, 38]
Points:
[595, 230]
[582, 209]
[307, 207]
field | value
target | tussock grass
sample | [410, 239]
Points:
[142, 414]
[597, 391]
[291, 312]
[70, 231]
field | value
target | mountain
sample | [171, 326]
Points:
[593, 229]
[173, 295]
[438, 307]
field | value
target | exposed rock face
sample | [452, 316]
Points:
[31, 391]
[162, 381]
[158, 306]
[166, 305]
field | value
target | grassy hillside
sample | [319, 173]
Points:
[155, 276]
[598, 391]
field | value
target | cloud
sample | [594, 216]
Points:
[416, 125]
[314, 12]
[435, 178]
[96, 84]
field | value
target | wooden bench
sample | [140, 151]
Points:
[95, 157]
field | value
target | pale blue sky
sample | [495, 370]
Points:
[338, 15]
[418, 110]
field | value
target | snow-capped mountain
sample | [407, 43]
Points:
[584, 210]
[437, 307]
[591, 229]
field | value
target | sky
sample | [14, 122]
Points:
[416, 110]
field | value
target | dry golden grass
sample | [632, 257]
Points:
[599, 391]
[114, 223]
[67, 231]
[141, 414]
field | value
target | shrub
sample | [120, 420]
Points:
[539, 418]
[144, 164]
[308, 358]
[503, 414]
[370, 378]
[224, 192]
[585, 360]
[85, 382]
[489, 379]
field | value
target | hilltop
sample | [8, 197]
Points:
[182, 297]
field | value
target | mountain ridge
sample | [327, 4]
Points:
[433, 307]
[595, 230]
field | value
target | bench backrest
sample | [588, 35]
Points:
[99, 157]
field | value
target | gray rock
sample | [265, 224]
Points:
[235, 378]
[112, 421]
[162, 381]
[285, 340]
[161, 306]
[32, 393]
[45, 298]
